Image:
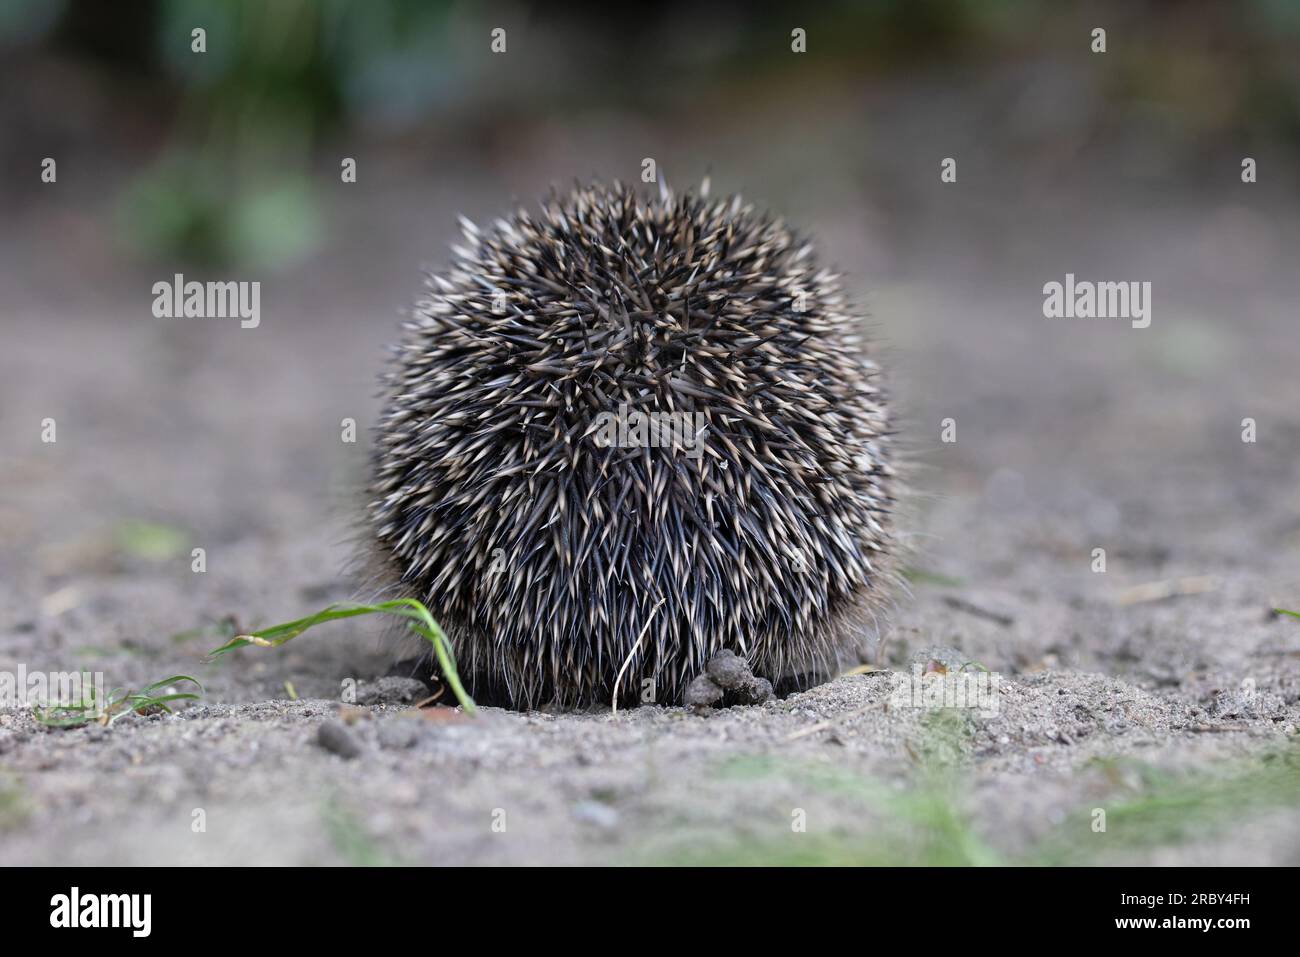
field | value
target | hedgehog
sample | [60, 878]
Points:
[625, 434]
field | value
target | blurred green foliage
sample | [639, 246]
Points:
[237, 185]
[235, 180]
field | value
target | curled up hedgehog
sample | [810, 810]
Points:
[626, 435]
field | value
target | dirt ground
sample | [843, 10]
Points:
[1162, 691]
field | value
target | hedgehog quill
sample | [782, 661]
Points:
[626, 434]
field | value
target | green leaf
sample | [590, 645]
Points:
[419, 621]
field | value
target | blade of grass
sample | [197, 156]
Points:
[118, 703]
[419, 620]
[170, 681]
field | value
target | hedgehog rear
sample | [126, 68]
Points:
[567, 544]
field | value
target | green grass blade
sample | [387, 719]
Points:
[166, 682]
[419, 620]
[118, 703]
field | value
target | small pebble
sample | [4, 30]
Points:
[938, 658]
[392, 690]
[336, 738]
[702, 692]
[729, 671]
[754, 691]
[597, 814]
[726, 682]
[398, 734]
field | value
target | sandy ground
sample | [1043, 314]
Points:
[1176, 713]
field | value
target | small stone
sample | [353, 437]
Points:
[392, 690]
[597, 814]
[728, 670]
[754, 691]
[336, 738]
[1117, 725]
[702, 692]
[938, 659]
[1243, 703]
[398, 734]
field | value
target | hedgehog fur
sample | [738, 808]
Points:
[571, 568]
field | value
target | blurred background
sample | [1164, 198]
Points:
[1071, 435]
[1123, 165]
